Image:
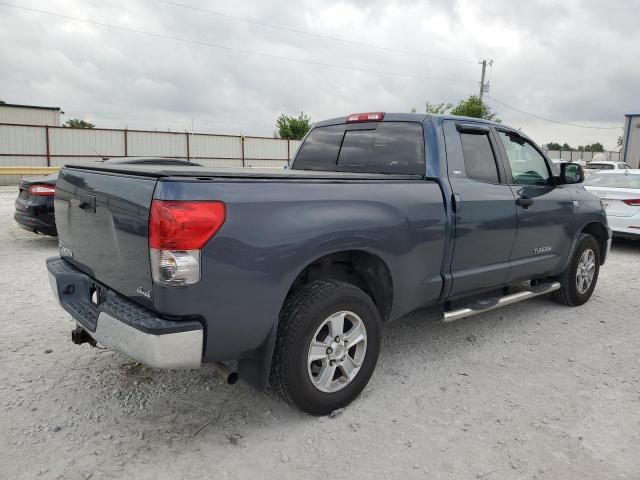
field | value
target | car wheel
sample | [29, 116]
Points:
[327, 346]
[579, 279]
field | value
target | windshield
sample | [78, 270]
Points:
[614, 180]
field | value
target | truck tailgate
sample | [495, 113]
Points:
[103, 222]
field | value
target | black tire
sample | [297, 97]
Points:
[569, 293]
[305, 310]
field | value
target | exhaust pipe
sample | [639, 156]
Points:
[225, 372]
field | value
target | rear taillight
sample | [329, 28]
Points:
[42, 190]
[633, 202]
[177, 232]
[365, 117]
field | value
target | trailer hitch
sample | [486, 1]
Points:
[79, 336]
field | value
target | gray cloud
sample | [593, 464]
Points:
[572, 61]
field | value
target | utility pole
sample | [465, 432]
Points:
[483, 85]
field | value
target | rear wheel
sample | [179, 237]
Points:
[580, 278]
[327, 346]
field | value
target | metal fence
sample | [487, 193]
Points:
[574, 155]
[43, 146]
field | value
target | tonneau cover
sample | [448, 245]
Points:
[157, 171]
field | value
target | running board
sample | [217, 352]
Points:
[494, 303]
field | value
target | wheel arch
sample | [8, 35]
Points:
[600, 233]
[362, 268]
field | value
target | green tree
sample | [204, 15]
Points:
[438, 108]
[77, 123]
[594, 147]
[554, 146]
[473, 107]
[566, 146]
[619, 143]
[293, 128]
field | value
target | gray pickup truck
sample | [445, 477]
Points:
[286, 277]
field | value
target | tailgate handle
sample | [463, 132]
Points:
[87, 203]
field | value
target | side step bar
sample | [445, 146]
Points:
[465, 312]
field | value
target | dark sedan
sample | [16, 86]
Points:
[34, 205]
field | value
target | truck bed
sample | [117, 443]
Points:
[277, 223]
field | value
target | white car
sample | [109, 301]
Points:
[607, 165]
[619, 192]
[558, 161]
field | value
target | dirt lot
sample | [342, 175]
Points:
[535, 390]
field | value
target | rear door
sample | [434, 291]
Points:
[545, 210]
[103, 223]
[485, 211]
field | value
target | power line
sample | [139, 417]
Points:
[231, 49]
[550, 120]
[313, 34]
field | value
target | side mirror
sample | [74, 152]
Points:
[571, 173]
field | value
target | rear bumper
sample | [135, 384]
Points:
[34, 224]
[120, 324]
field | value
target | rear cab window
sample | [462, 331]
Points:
[372, 147]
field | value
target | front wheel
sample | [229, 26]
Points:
[581, 275]
[327, 346]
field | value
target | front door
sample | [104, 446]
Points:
[545, 210]
[485, 210]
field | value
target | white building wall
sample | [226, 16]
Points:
[294, 145]
[631, 141]
[86, 141]
[60, 161]
[156, 144]
[12, 161]
[22, 140]
[23, 145]
[217, 146]
[29, 116]
[265, 148]
[219, 162]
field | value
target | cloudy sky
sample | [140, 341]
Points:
[572, 61]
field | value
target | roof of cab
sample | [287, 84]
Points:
[409, 117]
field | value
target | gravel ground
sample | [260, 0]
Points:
[534, 390]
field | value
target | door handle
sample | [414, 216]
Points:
[524, 202]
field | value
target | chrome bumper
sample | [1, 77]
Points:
[170, 350]
[123, 325]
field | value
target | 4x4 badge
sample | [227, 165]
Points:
[144, 293]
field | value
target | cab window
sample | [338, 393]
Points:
[479, 160]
